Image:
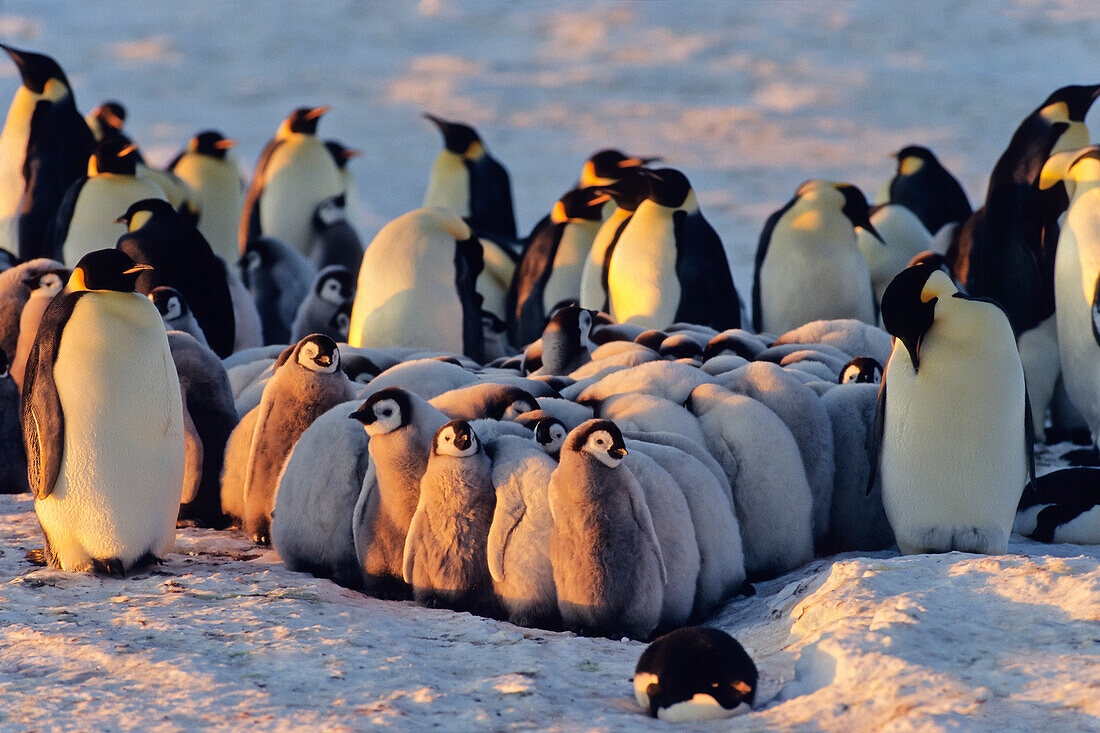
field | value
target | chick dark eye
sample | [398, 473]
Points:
[387, 413]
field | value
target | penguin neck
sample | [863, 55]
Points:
[1074, 137]
[811, 227]
[449, 184]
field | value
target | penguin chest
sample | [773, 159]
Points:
[592, 291]
[13, 152]
[564, 281]
[1076, 268]
[642, 283]
[299, 175]
[217, 184]
[122, 469]
[103, 199]
[449, 184]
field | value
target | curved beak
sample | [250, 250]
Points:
[225, 144]
[137, 268]
[364, 415]
[317, 112]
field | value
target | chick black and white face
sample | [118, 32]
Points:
[173, 309]
[863, 370]
[341, 323]
[602, 445]
[387, 417]
[50, 283]
[550, 434]
[332, 291]
[517, 408]
[253, 261]
[456, 438]
[319, 357]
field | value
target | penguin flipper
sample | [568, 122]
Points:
[416, 527]
[640, 510]
[708, 295]
[468, 263]
[1095, 310]
[761, 253]
[506, 517]
[875, 452]
[41, 414]
[250, 216]
[1029, 439]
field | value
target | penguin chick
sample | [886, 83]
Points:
[327, 308]
[46, 287]
[426, 378]
[567, 341]
[13, 459]
[861, 370]
[695, 673]
[848, 335]
[332, 239]
[1061, 506]
[444, 558]
[485, 400]
[608, 568]
[550, 434]
[279, 278]
[306, 383]
[175, 313]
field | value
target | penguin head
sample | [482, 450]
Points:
[670, 188]
[937, 260]
[680, 346]
[575, 323]
[335, 285]
[107, 119]
[861, 370]
[49, 282]
[628, 192]
[116, 156]
[330, 211]
[211, 143]
[340, 154]
[912, 158]
[600, 439]
[462, 140]
[909, 305]
[511, 403]
[142, 212]
[384, 411]
[302, 120]
[169, 302]
[1069, 104]
[318, 353]
[608, 166]
[37, 70]
[576, 206]
[340, 323]
[106, 269]
[457, 439]
[856, 209]
[733, 341]
[550, 434]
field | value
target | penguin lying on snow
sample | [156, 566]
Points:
[1061, 506]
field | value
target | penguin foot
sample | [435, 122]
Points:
[261, 539]
[37, 558]
[1083, 457]
[110, 566]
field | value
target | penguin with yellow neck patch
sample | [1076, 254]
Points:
[470, 182]
[209, 167]
[44, 147]
[103, 422]
[926, 188]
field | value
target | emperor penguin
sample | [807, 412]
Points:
[88, 216]
[808, 266]
[47, 286]
[307, 382]
[627, 193]
[401, 427]
[278, 277]
[952, 428]
[213, 172]
[605, 167]
[103, 422]
[16, 285]
[923, 186]
[294, 174]
[333, 240]
[417, 286]
[106, 120]
[444, 559]
[13, 458]
[1061, 506]
[467, 180]
[181, 258]
[175, 313]
[341, 156]
[327, 307]
[550, 271]
[44, 148]
[669, 264]
[902, 237]
[567, 341]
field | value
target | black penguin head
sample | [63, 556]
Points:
[576, 206]
[678, 672]
[335, 284]
[628, 192]
[669, 187]
[600, 439]
[913, 158]
[550, 434]
[169, 302]
[574, 323]
[1076, 98]
[733, 342]
[142, 212]
[303, 120]
[211, 143]
[510, 403]
[937, 260]
[340, 154]
[861, 370]
[114, 155]
[318, 353]
[909, 305]
[680, 346]
[385, 411]
[457, 439]
[608, 166]
[458, 138]
[651, 339]
[109, 116]
[106, 269]
[856, 208]
[36, 69]
[340, 323]
[329, 212]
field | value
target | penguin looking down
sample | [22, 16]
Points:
[922, 185]
[466, 179]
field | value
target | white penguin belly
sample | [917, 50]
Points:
[565, 274]
[449, 184]
[300, 175]
[102, 200]
[218, 187]
[1076, 266]
[13, 153]
[118, 491]
[642, 283]
[592, 292]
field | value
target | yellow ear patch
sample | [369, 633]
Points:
[939, 285]
[476, 151]
[807, 221]
[910, 165]
[76, 280]
[1057, 112]
[1056, 168]
[557, 214]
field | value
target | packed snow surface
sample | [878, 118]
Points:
[749, 99]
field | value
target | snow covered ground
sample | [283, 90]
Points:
[749, 99]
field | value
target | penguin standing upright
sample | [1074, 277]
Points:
[278, 278]
[808, 266]
[106, 120]
[103, 422]
[952, 428]
[669, 265]
[209, 167]
[470, 182]
[294, 174]
[926, 188]
[417, 286]
[88, 218]
[627, 193]
[341, 156]
[332, 238]
[44, 147]
[47, 286]
[550, 271]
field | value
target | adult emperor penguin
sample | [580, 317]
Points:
[88, 217]
[103, 422]
[550, 271]
[417, 286]
[922, 185]
[106, 120]
[808, 266]
[44, 148]
[952, 425]
[669, 265]
[627, 193]
[294, 174]
[342, 155]
[209, 167]
[467, 180]
[181, 258]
